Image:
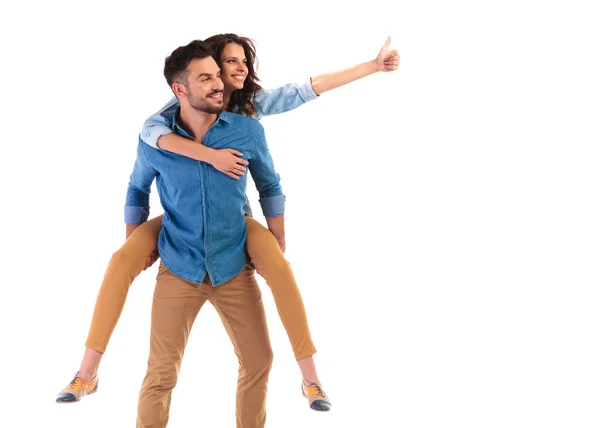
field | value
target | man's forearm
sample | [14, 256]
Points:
[276, 226]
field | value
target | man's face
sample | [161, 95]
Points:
[203, 87]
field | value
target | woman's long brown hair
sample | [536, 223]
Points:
[240, 98]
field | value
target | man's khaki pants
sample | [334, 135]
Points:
[176, 304]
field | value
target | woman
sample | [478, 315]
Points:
[235, 56]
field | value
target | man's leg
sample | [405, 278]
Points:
[239, 304]
[176, 304]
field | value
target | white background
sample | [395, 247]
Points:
[442, 220]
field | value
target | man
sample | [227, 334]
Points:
[202, 240]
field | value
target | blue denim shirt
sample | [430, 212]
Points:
[204, 230]
[266, 101]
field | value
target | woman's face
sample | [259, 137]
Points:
[234, 69]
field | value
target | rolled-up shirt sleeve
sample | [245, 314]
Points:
[159, 124]
[284, 98]
[137, 201]
[273, 206]
[266, 179]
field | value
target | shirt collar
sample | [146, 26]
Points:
[224, 117]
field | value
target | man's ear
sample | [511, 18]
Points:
[179, 90]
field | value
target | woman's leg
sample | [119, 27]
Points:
[275, 269]
[124, 266]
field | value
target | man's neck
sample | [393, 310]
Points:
[195, 122]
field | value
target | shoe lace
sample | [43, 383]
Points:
[318, 389]
[76, 381]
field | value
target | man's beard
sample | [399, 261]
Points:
[201, 104]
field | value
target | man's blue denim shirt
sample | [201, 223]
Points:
[204, 230]
[267, 102]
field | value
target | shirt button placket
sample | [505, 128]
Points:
[205, 206]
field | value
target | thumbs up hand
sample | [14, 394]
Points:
[387, 60]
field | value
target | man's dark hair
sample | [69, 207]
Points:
[176, 63]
